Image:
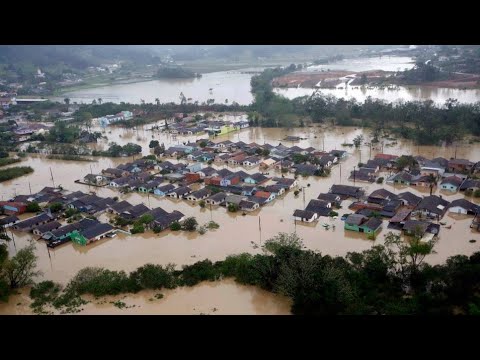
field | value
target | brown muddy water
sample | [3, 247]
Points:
[207, 298]
[237, 233]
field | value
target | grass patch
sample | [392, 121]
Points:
[69, 157]
[15, 172]
[8, 161]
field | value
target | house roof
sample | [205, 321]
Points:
[252, 159]
[345, 190]
[373, 223]
[8, 220]
[433, 204]
[48, 226]
[274, 188]
[319, 207]
[413, 225]
[201, 193]
[234, 199]
[120, 206]
[137, 210]
[33, 220]
[166, 188]
[97, 230]
[224, 172]
[400, 216]
[382, 194]
[285, 181]
[304, 214]
[81, 225]
[182, 190]
[157, 212]
[218, 196]
[403, 176]
[453, 180]
[470, 183]
[355, 219]
[386, 156]
[460, 162]
[247, 204]
[329, 197]
[259, 178]
[262, 194]
[208, 171]
[467, 205]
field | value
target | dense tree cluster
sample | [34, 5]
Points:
[389, 279]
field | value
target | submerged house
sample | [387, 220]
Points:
[305, 215]
[216, 199]
[33, 222]
[363, 224]
[346, 191]
[432, 206]
[199, 194]
[451, 183]
[164, 190]
[463, 206]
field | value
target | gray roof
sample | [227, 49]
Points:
[413, 225]
[373, 223]
[355, 219]
[99, 229]
[382, 194]
[201, 193]
[218, 196]
[304, 214]
[120, 206]
[48, 226]
[346, 190]
[247, 204]
[465, 204]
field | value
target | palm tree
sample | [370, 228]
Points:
[67, 101]
[157, 100]
[100, 101]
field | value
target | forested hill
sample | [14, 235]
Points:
[73, 56]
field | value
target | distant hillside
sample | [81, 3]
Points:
[74, 56]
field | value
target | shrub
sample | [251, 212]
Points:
[157, 229]
[202, 203]
[190, 224]
[55, 207]
[175, 226]
[137, 228]
[468, 192]
[476, 193]
[213, 225]
[202, 230]
[44, 292]
[233, 207]
[296, 192]
[33, 207]
[152, 276]
[380, 180]
[333, 213]
[200, 271]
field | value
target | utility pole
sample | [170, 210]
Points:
[340, 173]
[370, 156]
[30, 188]
[260, 230]
[303, 191]
[91, 171]
[456, 151]
[354, 174]
[211, 215]
[51, 174]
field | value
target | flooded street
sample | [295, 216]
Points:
[127, 252]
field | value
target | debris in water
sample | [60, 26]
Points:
[472, 241]
[281, 220]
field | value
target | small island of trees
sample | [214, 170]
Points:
[176, 72]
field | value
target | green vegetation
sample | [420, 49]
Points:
[14, 172]
[116, 150]
[380, 180]
[33, 207]
[19, 270]
[153, 144]
[190, 224]
[137, 228]
[8, 161]
[175, 226]
[202, 203]
[233, 207]
[55, 207]
[389, 279]
[212, 225]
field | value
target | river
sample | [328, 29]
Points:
[129, 252]
[235, 86]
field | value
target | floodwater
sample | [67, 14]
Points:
[401, 93]
[231, 85]
[237, 233]
[385, 63]
[207, 298]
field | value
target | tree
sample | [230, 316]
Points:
[432, 180]
[232, 207]
[175, 226]
[20, 269]
[202, 203]
[203, 144]
[190, 224]
[153, 144]
[33, 207]
[67, 101]
[100, 101]
[55, 207]
[357, 141]
[157, 101]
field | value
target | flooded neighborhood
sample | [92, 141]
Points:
[341, 189]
